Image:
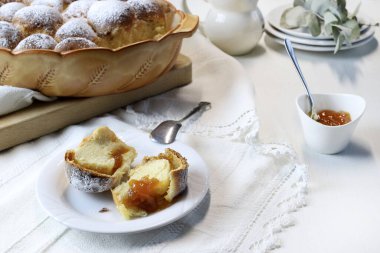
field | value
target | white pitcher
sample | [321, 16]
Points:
[235, 5]
[235, 26]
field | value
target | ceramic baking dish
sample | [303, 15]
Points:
[96, 71]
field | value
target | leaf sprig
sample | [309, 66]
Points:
[329, 17]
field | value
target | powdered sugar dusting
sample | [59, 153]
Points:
[105, 15]
[74, 43]
[77, 27]
[38, 16]
[77, 9]
[85, 181]
[9, 35]
[144, 5]
[7, 11]
[57, 4]
[37, 41]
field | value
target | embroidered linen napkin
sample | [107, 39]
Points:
[13, 98]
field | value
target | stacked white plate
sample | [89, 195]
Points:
[303, 40]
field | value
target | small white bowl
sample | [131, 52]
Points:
[330, 139]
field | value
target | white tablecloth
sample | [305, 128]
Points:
[254, 187]
[343, 202]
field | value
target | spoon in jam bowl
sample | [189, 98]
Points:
[290, 50]
[338, 120]
[166, 132]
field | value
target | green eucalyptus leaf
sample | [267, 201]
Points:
[335, 33]
[355, 29]
[294, 17]
[299, 3]
[329, 17]
[341, 6]
[327, 29]
[350, 30]
[345, 32]
[339, 43]
[334, 10]
[313, 24]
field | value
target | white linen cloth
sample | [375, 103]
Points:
[13, 98]
[254, 187]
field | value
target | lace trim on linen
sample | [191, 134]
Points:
[284, 203]
[244, 128]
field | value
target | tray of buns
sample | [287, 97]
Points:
[89, 48]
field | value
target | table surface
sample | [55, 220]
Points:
[343, 212]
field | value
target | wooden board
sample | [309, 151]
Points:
[42, 118]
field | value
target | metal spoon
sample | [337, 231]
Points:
[290, 50]
[166, 132]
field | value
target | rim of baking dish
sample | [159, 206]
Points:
[186, 26]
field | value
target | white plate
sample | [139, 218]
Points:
[320, 48]
[311, 42]
[274, 17]
[80, 210]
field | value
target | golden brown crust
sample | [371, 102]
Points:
[93, 179]
[178, 174]
[37, 19]
[73, 43]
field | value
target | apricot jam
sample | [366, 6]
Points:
[118, 156]
[143, 195]
[333, 118]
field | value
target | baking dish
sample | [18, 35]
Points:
[96, 71]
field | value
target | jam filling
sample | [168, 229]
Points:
[118, 156]
[333, 118]
[143, 195]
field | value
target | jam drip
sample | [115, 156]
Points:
[143, 195]
[118, 156]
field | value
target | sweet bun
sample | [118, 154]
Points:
[110, 24]
[152, 18]
[57, 4]
[77, 27]
[112, 21]
[152, 185]
[9, 35]
[77, 9]
[100, 161]
[8, 10]
[36, 41]
[74, 43]
[37, 19]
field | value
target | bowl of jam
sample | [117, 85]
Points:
[338, 116]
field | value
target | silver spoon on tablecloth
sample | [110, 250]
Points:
[166, 132]
[290, 50]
